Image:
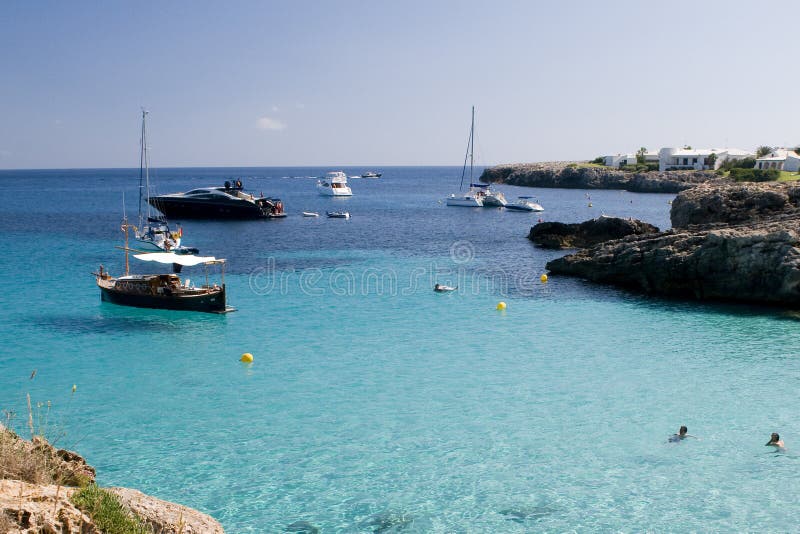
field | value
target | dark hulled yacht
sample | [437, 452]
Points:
[228, 202]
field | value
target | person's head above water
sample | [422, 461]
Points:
[683, 430]
[775, 440]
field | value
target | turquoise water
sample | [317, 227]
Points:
[375, 405]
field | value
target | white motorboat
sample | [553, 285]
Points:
[310, 214]
[338, 214]
[473, 198]
[524, 204]
[490, 197]
[371, 174]
[334, 185]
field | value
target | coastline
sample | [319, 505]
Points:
[581, 175]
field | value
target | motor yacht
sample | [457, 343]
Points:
[228, 202]
[524, 204]
[334, 185]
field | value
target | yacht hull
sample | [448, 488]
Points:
[464, 202]
[188, 209]
[211, 302]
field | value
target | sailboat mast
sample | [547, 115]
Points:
[141, 169]
[471, 144]
[146, 162]
[468, 154]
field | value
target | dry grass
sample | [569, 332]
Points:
[20, 460]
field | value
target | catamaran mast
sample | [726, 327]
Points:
[471, 144]
[468, 153]
[144, 173]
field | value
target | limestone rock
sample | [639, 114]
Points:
[757, 262]
[40, 508]
[734, 203]
[572, 175]
[166, 517]
[587, 233]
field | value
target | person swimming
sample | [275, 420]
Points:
[681, 435]
[442, 288]
[775, 441]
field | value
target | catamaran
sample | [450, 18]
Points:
[472, 198]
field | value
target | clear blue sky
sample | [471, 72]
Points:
[390, 83]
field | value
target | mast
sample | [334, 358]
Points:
[468, 153]
[144, 173]
[471, 144]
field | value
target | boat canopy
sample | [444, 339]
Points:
[479, 185]
[187, 260]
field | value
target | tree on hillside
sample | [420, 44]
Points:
[640, 155]
[712, 160]
[763, 151]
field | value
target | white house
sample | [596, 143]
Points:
[782, 159]
[698, 159]
[618, 160]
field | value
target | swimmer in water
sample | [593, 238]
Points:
[681, 435]
[775, 441]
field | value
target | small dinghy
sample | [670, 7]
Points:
[441, 288]
[310, 214]
[338, 214]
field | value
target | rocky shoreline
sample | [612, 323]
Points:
[31, 503]
[731, 242]
[578, 175]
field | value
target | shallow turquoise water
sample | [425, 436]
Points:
[374, 404]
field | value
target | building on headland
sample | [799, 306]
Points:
[698, 159]
[783, 159]
[620, 160]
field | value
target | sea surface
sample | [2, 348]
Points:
[374, 404]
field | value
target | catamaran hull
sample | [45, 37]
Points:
[465, 202]
[209, 302]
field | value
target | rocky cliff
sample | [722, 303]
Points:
[734, 242]
[579, 176]
[588, 233]
[37, 482]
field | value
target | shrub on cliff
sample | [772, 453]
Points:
[755, 175]
[640, 167]
[745, 163]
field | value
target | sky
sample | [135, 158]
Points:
[378, 83]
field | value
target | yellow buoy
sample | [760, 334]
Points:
[543, 278]
[246, 358]
[501, 306]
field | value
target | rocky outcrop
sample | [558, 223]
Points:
[573, 175]
[756, 259]
[733, 204]
[37, 482]
[166, 517]
[588, 233]
[35, 508]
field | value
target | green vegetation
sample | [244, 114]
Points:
[599, 160]
[746, 163]
[107, 512]
[639, 167]
[763, 151]
[754, 175]
[640, 156]
[787, 176]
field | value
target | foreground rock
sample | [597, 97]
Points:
[588, 233]
[34, 508]
[37, 482]
[166, 517]
[734, 203]
[756, 260]
[574, 176]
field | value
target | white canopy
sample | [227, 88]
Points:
[186, 260]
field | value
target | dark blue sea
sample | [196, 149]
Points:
[374, 404]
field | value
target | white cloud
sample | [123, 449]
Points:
[267, 123]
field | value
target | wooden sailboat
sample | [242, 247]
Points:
[164, 291]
